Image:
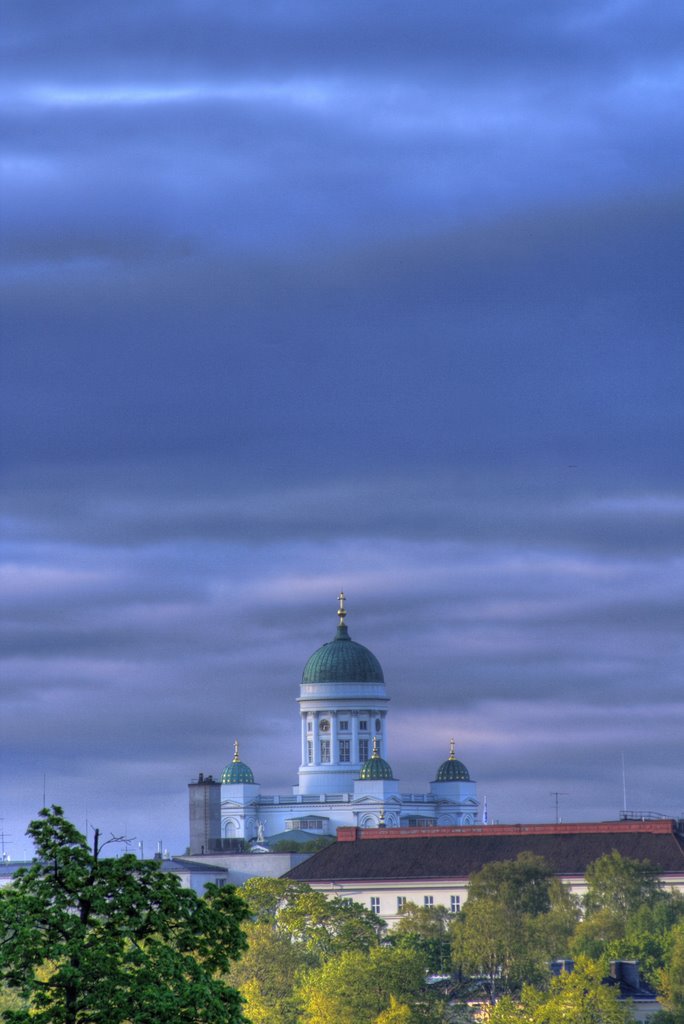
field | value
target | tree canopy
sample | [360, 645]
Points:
[93, 940]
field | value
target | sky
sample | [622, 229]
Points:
[306, 296]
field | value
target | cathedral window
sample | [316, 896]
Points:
[378, 725]
[363, 725]
[344, 726]
[309, 751]
[325, 751]
[345, 751]
[363, 750]
[309, 726]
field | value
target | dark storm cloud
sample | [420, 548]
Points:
[301, 296]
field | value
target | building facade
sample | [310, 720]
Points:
[384, 868]
[344, 776]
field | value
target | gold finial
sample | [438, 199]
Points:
[452, 750]
[341, 611]
[236, 752]
[376, 752]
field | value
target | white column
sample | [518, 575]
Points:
[305, 759]
[355, 737]
[316, 745]
[334, 753]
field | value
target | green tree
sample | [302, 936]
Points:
[671, 981]
[267, 973]
[356, 987]
[628, 915]
[425, 929]
[517, 917]
[575, 998]
[294, 928]
[620, 885]
[521, 884]
[93, 940]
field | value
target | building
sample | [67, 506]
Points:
[344, 776]
[385, 868]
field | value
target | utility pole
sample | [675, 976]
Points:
[555, 793]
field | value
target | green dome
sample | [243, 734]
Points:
[375, 767]
[342, 660]
[237, 771]
[452, 770]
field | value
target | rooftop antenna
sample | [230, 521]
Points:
[624, 786]
[556, 793]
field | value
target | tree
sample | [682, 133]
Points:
[425, 929]
[516, 918]
[672, 976]
[96, 940]
[294, 928]
[267, 974]
[323, 927]
[575, 998]
[356, 987]
[620, 885]
[521, 884]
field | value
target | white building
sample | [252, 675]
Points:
[344, 776]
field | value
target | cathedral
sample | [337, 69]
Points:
[344, 777]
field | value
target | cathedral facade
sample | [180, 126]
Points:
[344, 777]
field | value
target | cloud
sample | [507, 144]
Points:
[301, 297]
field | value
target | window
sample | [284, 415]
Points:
[378, 725]
[401, 902]
[455, 904]
[344, 725]
[345, 751]
[428, 901]
[375, 905]
[309, 751]
[220, 882]
[309, 726]
[363, 725]
[325, 751]
[363, 750]
[324, 725]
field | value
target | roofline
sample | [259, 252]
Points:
[350, 833]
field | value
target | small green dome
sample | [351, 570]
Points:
[375, 767]
[342, 660]
[237, 771]
[452, 770]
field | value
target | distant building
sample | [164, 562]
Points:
[384, 868]
[344, 779]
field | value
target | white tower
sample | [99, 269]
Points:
[343, 705]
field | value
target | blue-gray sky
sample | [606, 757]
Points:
[308, 295]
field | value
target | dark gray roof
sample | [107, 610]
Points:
[459, 856]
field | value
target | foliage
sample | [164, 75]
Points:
[521, 884]
[307, 846]
[92, 939]
[266, 975]
[355, 988]
[517, 918]
[294, 928]
[672, 975]
[575, 998]
[425, 929]
[620, 885]
[629, 916]
[323, 927]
